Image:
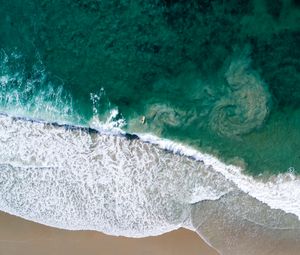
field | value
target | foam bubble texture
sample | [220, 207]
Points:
[278, 192]
[70, 178]
[74, 179]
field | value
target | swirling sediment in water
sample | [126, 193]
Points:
[246, 106]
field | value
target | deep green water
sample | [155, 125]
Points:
[222, 76]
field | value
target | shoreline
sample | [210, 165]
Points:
[19, 236]
[272, 191]
[229, 229]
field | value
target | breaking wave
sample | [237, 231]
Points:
[29, 91]
[132, 185]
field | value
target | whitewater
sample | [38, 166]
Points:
[120, 184]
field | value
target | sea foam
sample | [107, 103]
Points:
[279, 192]
[78, 178]
[70, 178]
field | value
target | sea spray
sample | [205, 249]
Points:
[29, 91]
[32, 92]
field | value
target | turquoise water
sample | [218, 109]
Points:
[222, 77]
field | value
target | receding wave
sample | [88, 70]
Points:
[132, 185]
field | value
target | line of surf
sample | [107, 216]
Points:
[279, 192]
[76, 178]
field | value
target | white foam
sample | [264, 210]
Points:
[279, 192]
[72, 179]
[109, 121]
[110, 125]
[31, 93]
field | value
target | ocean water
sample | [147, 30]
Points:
[211, 90]
[223, 78]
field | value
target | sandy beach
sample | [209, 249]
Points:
[18, 236]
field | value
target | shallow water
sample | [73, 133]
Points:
[223, 78]
[81, 179]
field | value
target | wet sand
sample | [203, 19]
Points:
[18, 236]
[238, 224]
